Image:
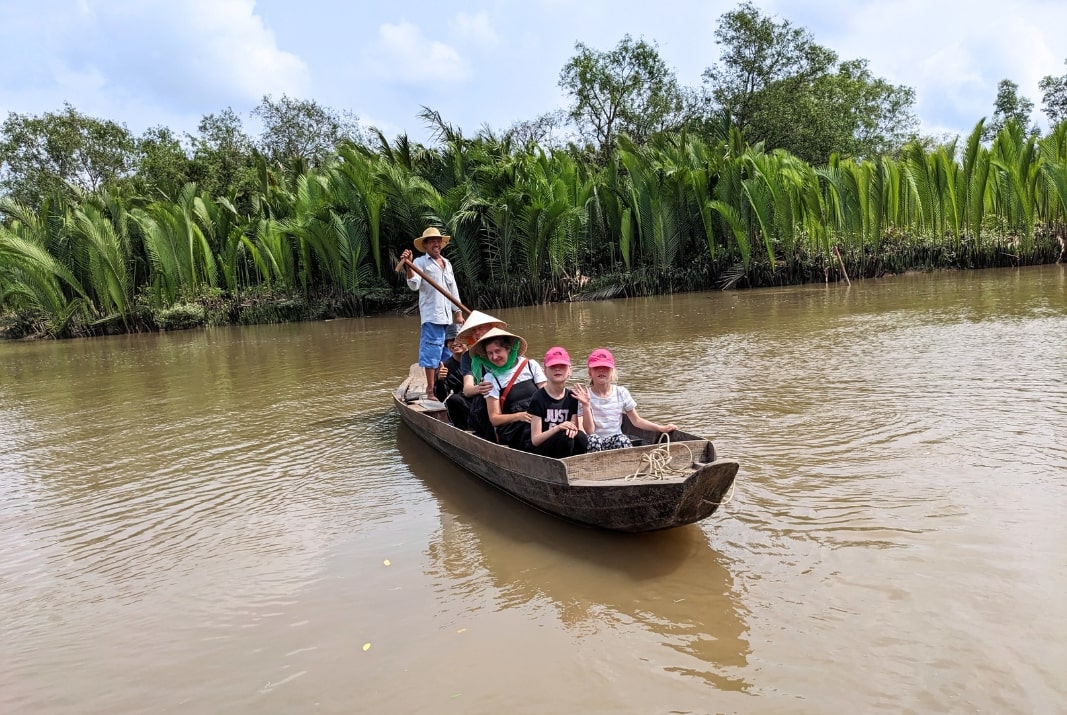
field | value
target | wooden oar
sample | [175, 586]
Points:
[406, 263]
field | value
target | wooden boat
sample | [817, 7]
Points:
[641, 488]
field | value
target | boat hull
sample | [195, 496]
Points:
[604, 490]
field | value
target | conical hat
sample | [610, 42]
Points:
[475, 320]
[479, 347]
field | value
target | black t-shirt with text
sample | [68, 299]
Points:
[553, 412]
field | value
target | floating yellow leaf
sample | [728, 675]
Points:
[386, 562]
[366, 646]
[462, 630]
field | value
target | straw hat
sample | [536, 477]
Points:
[477, 319]
[479, 347]
[431, 232]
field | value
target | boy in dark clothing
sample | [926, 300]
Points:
[449, 377]
[554, 429]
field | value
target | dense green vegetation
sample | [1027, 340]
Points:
[754, 180]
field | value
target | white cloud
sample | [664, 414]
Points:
[240, 53]
[147, 62]
[475, 28]
[953, 53]
[405, 54]
[183, 57]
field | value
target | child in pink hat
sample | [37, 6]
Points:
[556, 411]
[608, 402]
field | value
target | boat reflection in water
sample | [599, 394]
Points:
[670, 583]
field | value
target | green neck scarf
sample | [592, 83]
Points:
[480, 365]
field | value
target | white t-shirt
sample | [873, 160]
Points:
[499, 382]
[608, 411]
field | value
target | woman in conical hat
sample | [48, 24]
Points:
[513, 380]
[459, 404]
[516, 348]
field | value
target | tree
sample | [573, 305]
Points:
[163, 165]
[303, 129]
[877, 116]
[1009, 106]
[45, 155]
[759, 55]
[223, 156]
[781, 88]
[629, 90]
[1054, 97]
[545, 131]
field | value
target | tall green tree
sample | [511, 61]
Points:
[782, 88]
[628, 90]
[48, 154]
[761, 61]
[1054, 97]
[303, 129]
[545, 131]
[1010, 106]
[163, 164]
[879, 114]
[223, 161]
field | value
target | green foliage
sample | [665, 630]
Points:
[223, 157]
[303, 129]
[59, 153]
[1010, 106]
[783, 89]
[759, 55]
[1054, 97]
[163, 165]
[181, 316]
[628, 90]
[35, 283]
[684, 210]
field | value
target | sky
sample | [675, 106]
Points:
[148, 63]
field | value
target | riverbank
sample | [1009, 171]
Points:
[264, 305]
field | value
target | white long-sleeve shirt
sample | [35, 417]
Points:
[434, 307]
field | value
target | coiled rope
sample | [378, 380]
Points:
[656, 463]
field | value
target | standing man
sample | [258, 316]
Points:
[435, 310]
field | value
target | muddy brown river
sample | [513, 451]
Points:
[234, 521]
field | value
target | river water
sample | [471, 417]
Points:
[234, 521]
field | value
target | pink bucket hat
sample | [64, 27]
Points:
[557, 356]
[601, 358]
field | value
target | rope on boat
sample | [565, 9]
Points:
[729, 495]
[657, 462]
